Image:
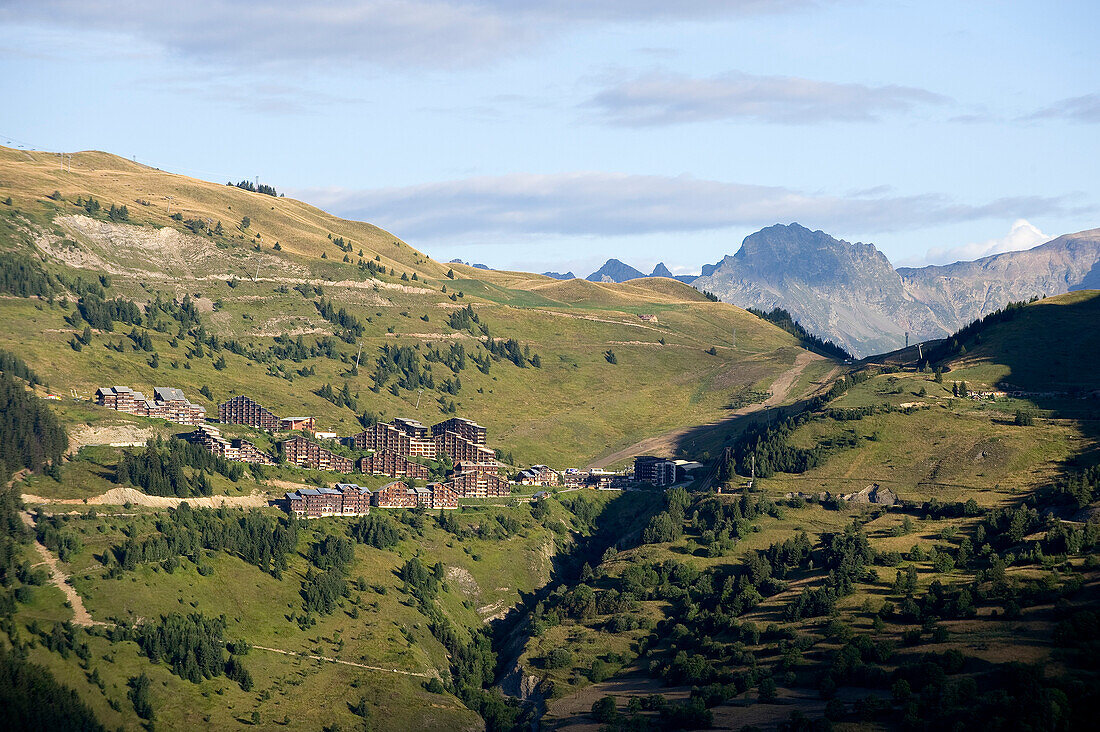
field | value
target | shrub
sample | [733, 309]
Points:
[559, 658]
[604, 710]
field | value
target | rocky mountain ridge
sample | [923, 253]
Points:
[851, 294]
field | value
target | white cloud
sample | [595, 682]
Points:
[1023, 235]
[1077, 109]
[660, 98]
[390, 33]
[613, 204]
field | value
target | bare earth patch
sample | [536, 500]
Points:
[80, 613]
[119, 435]
[121, 496]
[461, 576]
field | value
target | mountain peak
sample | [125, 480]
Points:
[614, 271]
[851, 294]
[792, 250]
[662, 271]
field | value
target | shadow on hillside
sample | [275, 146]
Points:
[619, 524]
[1052, 351]
[708, 441]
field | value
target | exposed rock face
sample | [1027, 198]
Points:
[850, 294]
[847, 293]
[614, 271]
[876, 494]
[967, 290]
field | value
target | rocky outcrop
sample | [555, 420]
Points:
[874, 493]
[964, 291]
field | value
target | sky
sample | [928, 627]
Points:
[553, 135]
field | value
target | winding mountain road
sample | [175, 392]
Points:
[665, 443]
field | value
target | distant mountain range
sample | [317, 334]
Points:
[615, 271]
[852, 295]
[560, 276]
[475, 265]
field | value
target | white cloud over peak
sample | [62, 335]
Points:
[1023, 235]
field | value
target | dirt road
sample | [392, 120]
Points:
[80, 614]
[665, 444]
[347, 663]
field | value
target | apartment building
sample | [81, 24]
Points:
[308, 454]
[167, 403]
[461, 449]
[343, 499]
[242, 410]
[421, 443]
[399, 495]
[539, 475]
[480, 484]
[388, 462]
[380, 437]
[237, 449]
[656, 471]
[464, 428]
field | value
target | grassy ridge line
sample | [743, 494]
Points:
[301, 229]
[663, 379]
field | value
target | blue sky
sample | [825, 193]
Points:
[554, 135]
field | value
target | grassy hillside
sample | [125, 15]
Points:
[969, 601]
[1044, 346]
[311, 314]
[489, 558]
[706, 606]
[260, 288]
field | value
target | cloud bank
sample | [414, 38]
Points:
[613, 204]
[659, 98]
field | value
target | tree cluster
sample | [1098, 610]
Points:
[259, 539]
[783, 319]
[193, 646]
[159, 468]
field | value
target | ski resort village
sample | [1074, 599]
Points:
[433, 467]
